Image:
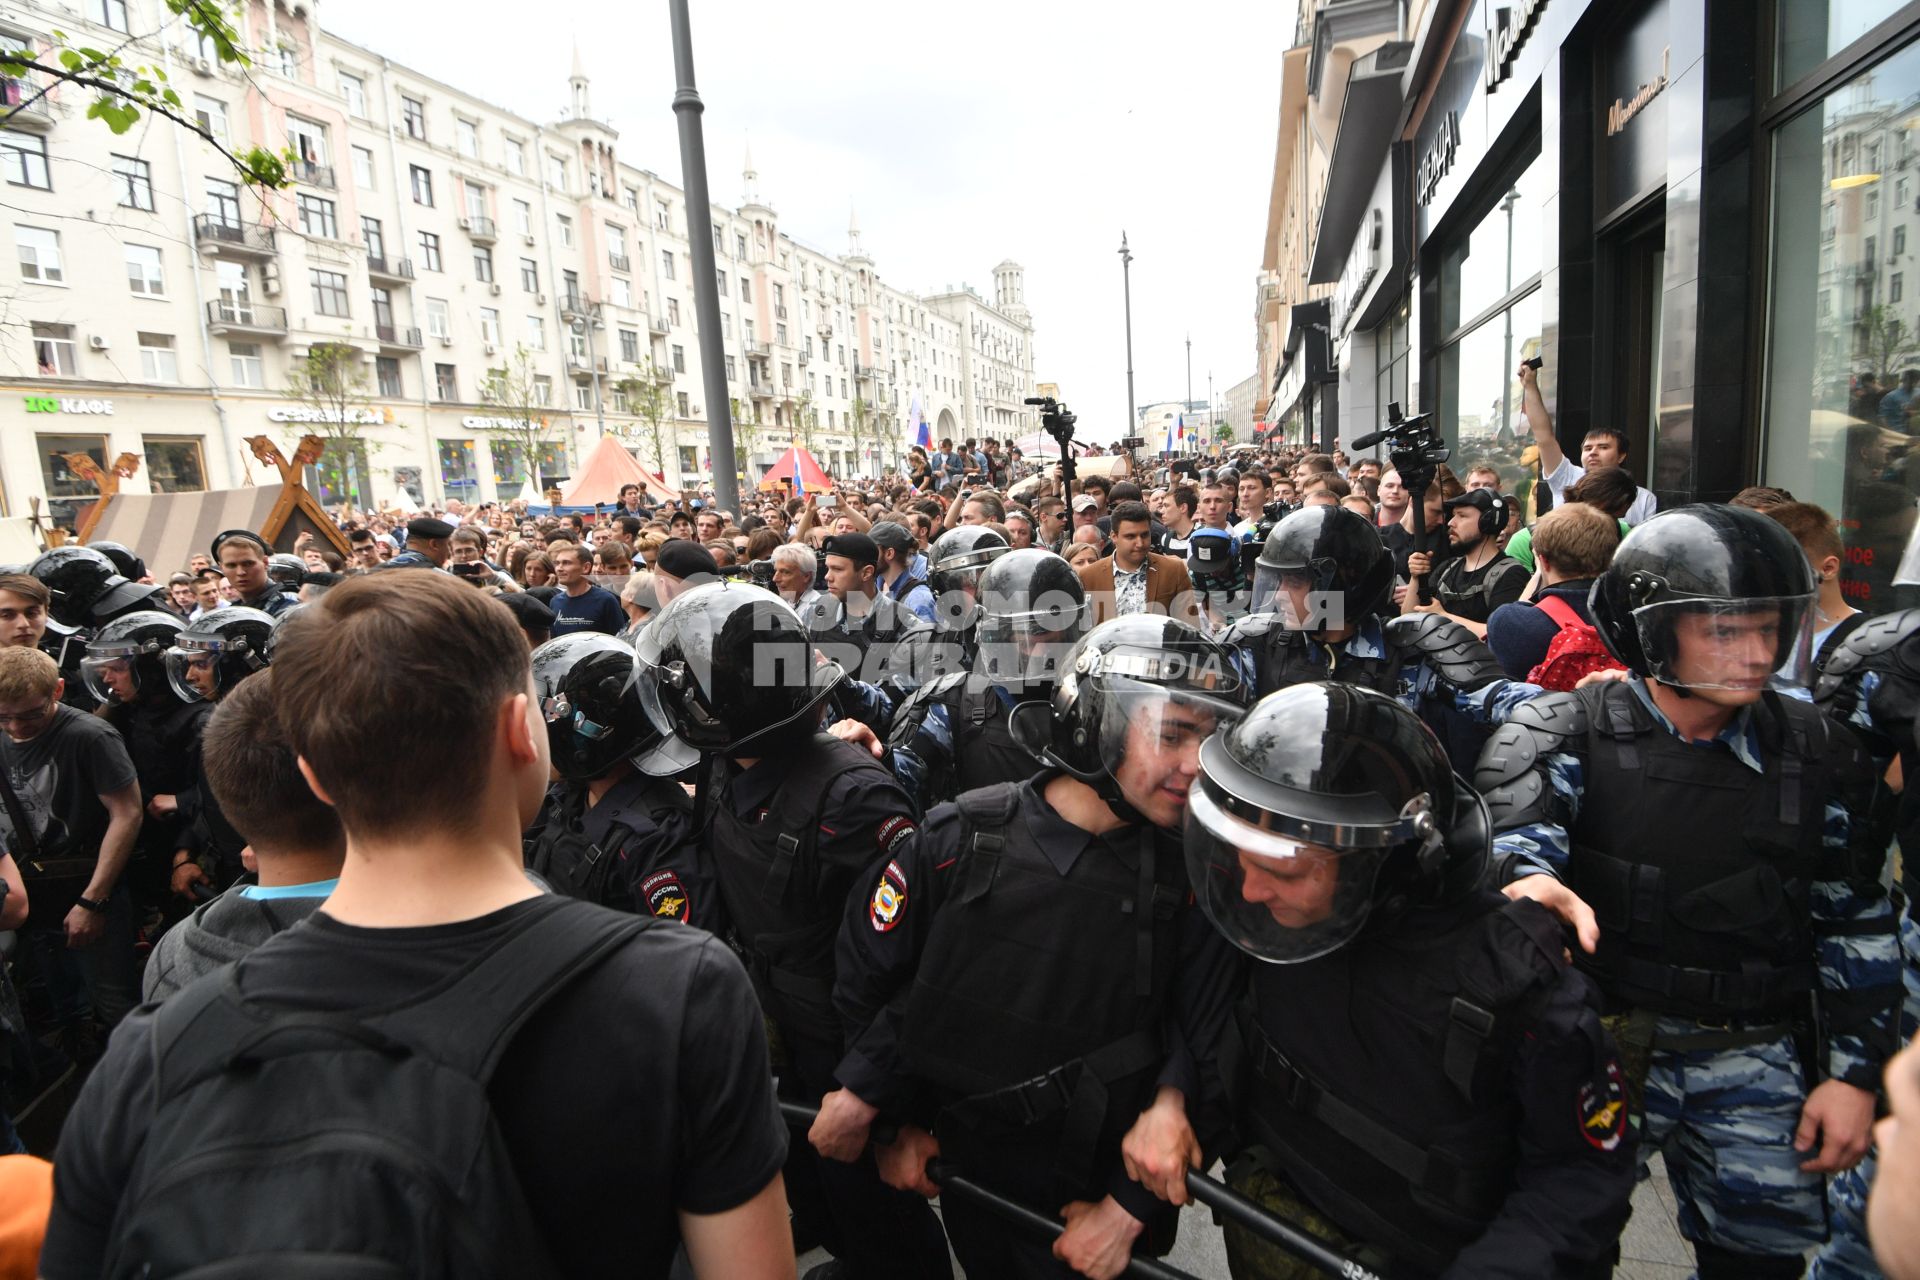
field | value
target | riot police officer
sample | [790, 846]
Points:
[954, 734]
[955, 563]
[125, 562]
[1415, 1070]
[88, 592]
[1717, 829]
[1020, 978]
[245, 559]
[288, 572]
[616, 828]
[1322, 589]
[212, 655]
[792, 819]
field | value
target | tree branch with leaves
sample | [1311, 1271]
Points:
[330, 382]
[649, 397]
[518, 395]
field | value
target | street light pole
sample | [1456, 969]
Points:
[706, 297]
[1188, 405]
[1126, 286]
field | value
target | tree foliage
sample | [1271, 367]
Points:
[649, 396]
[331, 381]
[523, 418]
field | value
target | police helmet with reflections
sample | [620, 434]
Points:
[1336, 556]
[219, 651]
[589, 695]
[1033, 610]
[1326, 807]
[958, 557]
[128, 656]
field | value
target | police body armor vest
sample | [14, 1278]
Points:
[1286, 658]
[783, 914]
[580, 849]
[1698, 867]
[984, 749]
[1027, 1003]
[1377, 1078]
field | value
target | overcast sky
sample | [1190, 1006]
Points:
[960, 134]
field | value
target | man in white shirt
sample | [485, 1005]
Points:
[1603, 447]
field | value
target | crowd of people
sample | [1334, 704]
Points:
[673, 890]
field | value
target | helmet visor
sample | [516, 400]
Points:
[1301, 595]
[111, 678]
[1157, 707]
[194, 672]
[1276, 898]
[1025, 650]
[1733, 645]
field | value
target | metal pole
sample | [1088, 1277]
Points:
[706, 294]
[1126, 285]
[1188, 406]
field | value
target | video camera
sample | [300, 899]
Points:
[1416, 448]
[1057, 421]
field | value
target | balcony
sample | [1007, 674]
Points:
[657, 325]
[246, 317]
[573, 304]
[25, 107]
[760, 390]
[480, 230]
[867, 371]
[399, 339]
[619, 262]
[233, 239]
[379, 269]
[758, 351]
[312, 175]
[806, 357]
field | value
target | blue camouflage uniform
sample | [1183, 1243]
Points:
[1725, 1117]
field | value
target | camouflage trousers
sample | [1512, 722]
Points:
[1253, 1257]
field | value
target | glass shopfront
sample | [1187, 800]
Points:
[459, 473]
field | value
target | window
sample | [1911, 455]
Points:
[740, 247]
[582, 395]
[529, 275]
[680, 403]
[386, 376]
[523, 217]
[563, 230]
[248, 369]
[289, 62]
[329, 293]
[557, 171]
[666, 263]
[689, 459]
[577, 343]
[490, 326]
[721, 278]
[444, 386]
[516, 152]
[1867, 257]
[746, 329]
[616, 242]
[1896, 287]
[630, 197]
[746, 289]
[536, 333]
[542, 389]
[308, 140]
[54, 355]
[1899, 241]
[570, 290]
[476, 196]
[429, 251]
[376, 238]
[422, 185]
[382, 311]
[174, 464]
[1873, 205]
[719, 245]
[1902, 193]
[354, 90]
[662, 215]
[466, 137]
[157, 362]
[780, 334]
[731, 375]
[223, 202]
[439, 318]
[622, 292]
[673, 313]
[414, 115]
[145, 274]
[39, 254]
[211, 114]
[61, 480]
[113, 13]
[317, 218]
[483, 265]
[363, 168]
[630, 346]
[135, 182]
[679, 358]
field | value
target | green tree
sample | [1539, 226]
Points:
[1885, 342]
[523, 418]
[859, 424]
[746, 439]
[806, 420]
[650, 398]
[1223, 433]
[124, 89]
[330, 385]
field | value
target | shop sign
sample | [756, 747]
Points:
[332, 417]
[1622, 112]
[1506, 30]
[1437, 159]
[68, 404]
[1363, 264]
[483, 422]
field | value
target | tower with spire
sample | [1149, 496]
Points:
[582, 105]
[855, 250]
[1009, 292]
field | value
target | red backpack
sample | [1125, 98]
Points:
[1576, 649]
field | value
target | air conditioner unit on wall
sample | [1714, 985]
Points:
[496, 290]
[203, 66]
[98, 342]
[492, 349]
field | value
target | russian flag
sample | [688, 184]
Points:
[799, 480]
[1180, 427]
[922, 434]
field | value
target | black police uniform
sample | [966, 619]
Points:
[163, 741]
[633, 851]
[888, 647]
[271, 599]
[1021, 986]
[983, 750]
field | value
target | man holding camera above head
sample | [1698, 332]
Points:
[1603, 447]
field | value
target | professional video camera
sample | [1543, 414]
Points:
[1415, 447]
[1057, 421]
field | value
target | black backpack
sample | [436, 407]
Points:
[307, 1144]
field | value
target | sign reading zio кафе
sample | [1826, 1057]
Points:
[68, 404]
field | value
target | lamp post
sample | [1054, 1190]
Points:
[1126, 287]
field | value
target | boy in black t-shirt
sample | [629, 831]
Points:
[636, 1106]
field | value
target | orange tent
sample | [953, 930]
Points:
[607, 468]
[812, 475]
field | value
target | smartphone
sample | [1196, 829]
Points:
[829, 501]
[1534, 363]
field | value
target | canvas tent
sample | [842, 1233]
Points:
[812, 474]
[607, 469]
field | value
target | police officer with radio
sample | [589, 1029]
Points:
[1021, 979]
[616, 828]
[792, 819]
[1416, 1072]
[1720, 833]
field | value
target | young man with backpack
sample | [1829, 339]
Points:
[1549, 640]
[437, 1074]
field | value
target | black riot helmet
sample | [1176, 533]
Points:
[77, 576]
[590, 699]
[1033, 610]
[1133, 680]
[286, 571]
[127, 657]
[212, 655]
[1337, 556]
[728, 668]
[1324, 808]
[281, 621]
[1708, 597]
[958, 556]
[125, 562]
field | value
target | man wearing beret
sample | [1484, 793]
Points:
[428, 545]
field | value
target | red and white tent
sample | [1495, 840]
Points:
[813, 478]
[605, 471]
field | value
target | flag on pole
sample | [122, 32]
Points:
[917, 419]
[799, 480]
[1180, 427]
[1168, 447]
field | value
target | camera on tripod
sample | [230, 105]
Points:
[1416, 448]
[1055, 419]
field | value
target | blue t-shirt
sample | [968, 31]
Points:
[595, 609]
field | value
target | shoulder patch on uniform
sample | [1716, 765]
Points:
[666, 897]
[892, 832]
[1602, 1109]
[889, 899]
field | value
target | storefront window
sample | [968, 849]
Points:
[174, 466]
[63, 483]
[1392, 343]
[689, 460]
[1811, 31]
[509, 469]
[554, 467]
[459, 473]
[1499, 256]
[1843, 366]
[342, 476]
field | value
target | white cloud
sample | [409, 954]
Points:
[961, 135]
